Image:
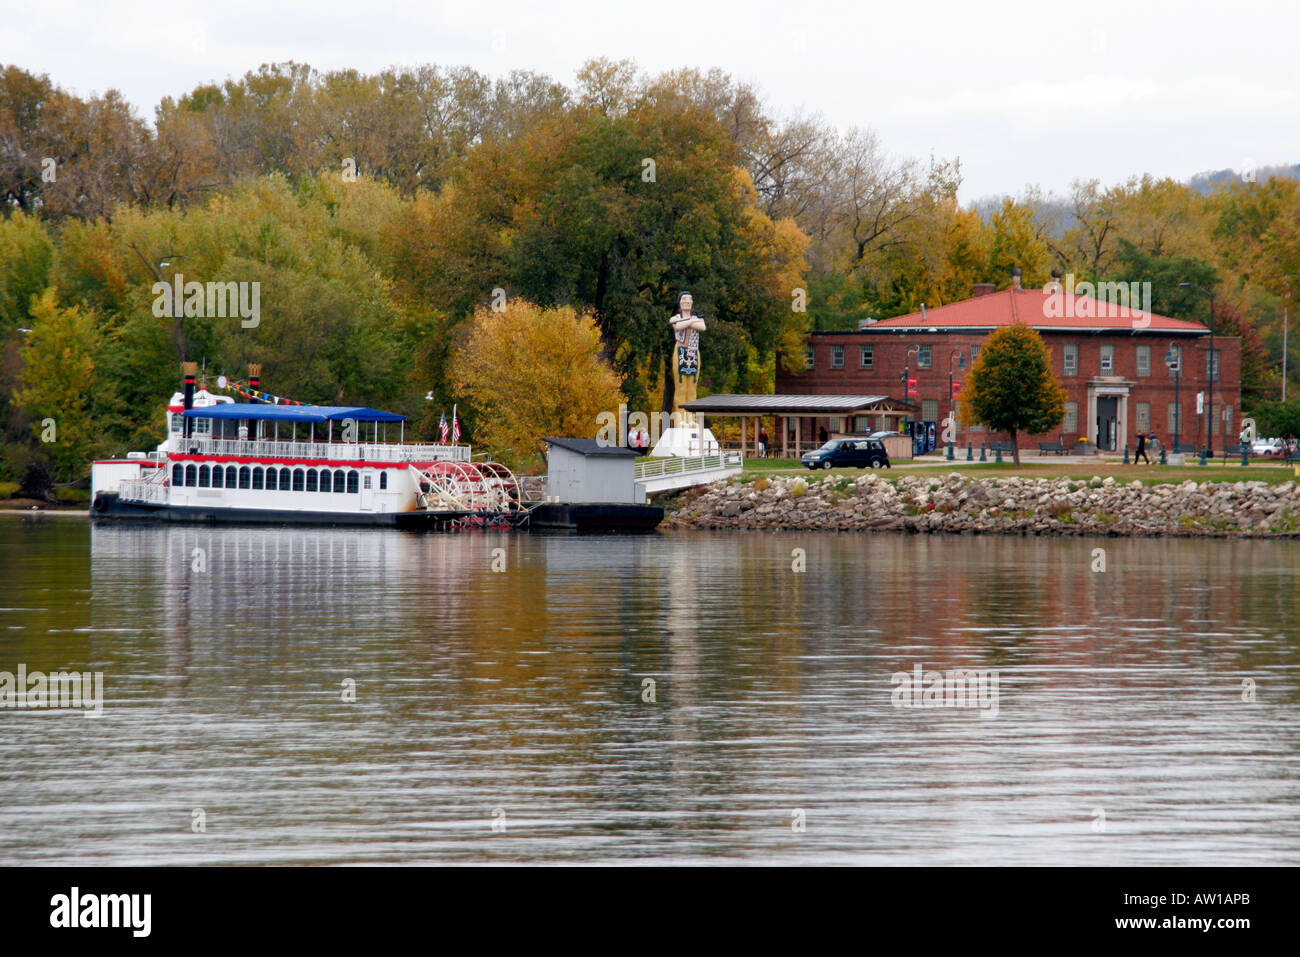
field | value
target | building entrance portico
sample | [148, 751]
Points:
[1108, 411]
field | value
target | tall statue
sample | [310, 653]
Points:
[687, 326]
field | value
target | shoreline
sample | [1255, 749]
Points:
[953, 503]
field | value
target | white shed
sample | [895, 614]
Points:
[583, 470]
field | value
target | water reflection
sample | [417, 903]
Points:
[226, 651]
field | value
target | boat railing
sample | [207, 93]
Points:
[351, 451]
[532, 489]
[152, 490]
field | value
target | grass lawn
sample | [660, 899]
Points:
[1274, 473]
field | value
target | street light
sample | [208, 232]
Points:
[1174, 360]
[960, 358]
[1214, 366]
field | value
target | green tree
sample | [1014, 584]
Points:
[1280, 419]
[1011, 387]
[57, 385]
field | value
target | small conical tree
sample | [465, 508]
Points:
[1011, 387]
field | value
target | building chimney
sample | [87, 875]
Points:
[1055, 284]
[1015, 277]
[983, 289]
[923, 312]
[191, 369]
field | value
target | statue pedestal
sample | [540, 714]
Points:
[684, 441]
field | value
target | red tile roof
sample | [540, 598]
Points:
[1038, 310]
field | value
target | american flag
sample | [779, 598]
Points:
[442, 428]
[455, 425]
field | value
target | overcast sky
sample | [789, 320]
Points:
[1023, 93]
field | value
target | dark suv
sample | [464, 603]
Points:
[849, 453]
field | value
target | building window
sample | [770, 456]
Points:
[1215, 374]
[929, 410]
[923, 358]
[974, 354]
[1107, 360]
[808, 358]
[1175, 421]
[867, 358]
[1071, 358]
[1176, 354]
[1144, 360]
[1143, 417]
[837, 357]
[1071, 421]
[1222, 421]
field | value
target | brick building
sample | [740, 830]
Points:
[1112, 362]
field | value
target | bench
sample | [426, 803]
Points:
[1006, 448]
[1293, 456]
[1057, 447]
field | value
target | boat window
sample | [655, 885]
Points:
[191, 476]
[231, 473]
[383, 479]
[205, 477]
[257, 477]
[244, 474]
[354, 478]
[365, 482]
[178, 423]
[325, 480]
[285, 477]
[218, 476]
[299, 476]
[311, 480]
[338, 480]
[178, 475]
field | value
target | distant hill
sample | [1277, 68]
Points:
[1205, 183]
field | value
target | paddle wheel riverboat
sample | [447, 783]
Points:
[259, 462]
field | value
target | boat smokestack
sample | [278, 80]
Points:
[254, 385]
[191, 369]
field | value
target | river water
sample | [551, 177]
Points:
[1142, 714]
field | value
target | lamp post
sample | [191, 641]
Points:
[960, 358]
[1174, 360]
[1214, 370]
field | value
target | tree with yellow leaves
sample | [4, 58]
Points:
[529, 372]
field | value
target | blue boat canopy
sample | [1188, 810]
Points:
[293, 413]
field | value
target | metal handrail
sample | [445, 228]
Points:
[680, 465]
